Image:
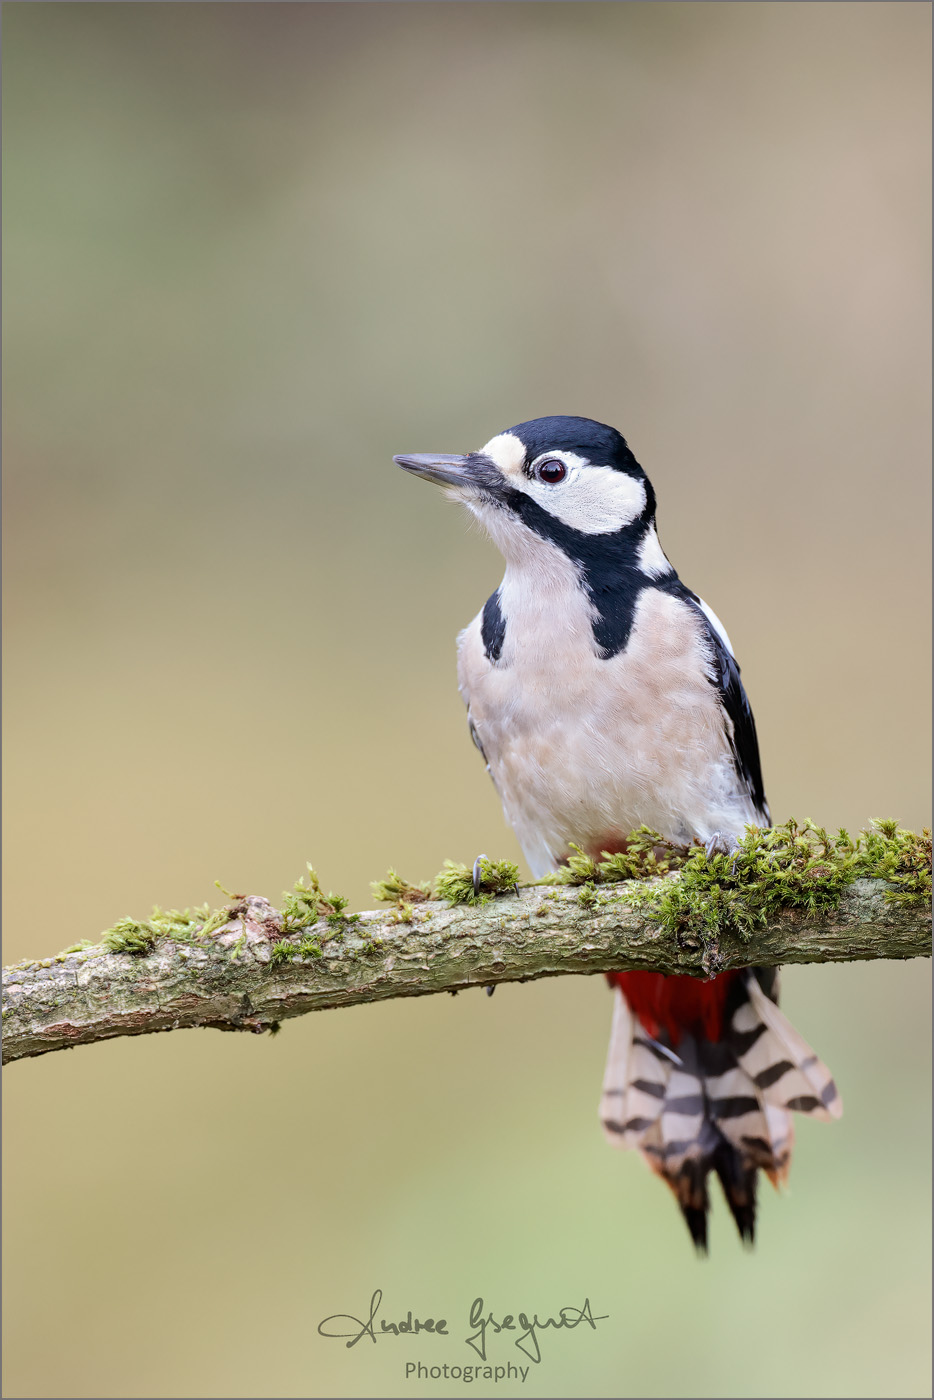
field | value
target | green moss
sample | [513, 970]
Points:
[285, 950]
[793, 866]
[455, 882]
[647, 854]
[129, 936]
[139, 935]
[213, 922]
[306, 903]
[339, 923]
[903, 858]
[402, 895]
[301, 905]
[796, 866]
[238, 947]
[403, 913]
[281, 952]
[578, 869]
[587, 896]
[394, 889]
[181, 925]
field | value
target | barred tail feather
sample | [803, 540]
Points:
[785, 1069]
[693, 1106]
[634, 1083]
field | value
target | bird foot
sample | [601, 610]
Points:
[478, 878]
[723, 843]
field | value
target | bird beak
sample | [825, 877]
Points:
[444, 469]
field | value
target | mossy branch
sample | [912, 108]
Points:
[792, 895]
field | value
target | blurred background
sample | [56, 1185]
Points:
[251, 252]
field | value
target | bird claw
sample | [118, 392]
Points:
[669, 1054]
[723, 843]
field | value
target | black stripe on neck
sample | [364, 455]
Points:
[493, 627]
[609, 566]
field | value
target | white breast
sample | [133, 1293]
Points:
[584, 749]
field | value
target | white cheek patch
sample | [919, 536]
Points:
[507, 452]
[652, 561]
[594, 500]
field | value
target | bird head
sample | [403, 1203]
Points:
[571, 482]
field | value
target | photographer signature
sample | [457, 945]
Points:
[407, 1326]
[527, 1341]
[483, 1324]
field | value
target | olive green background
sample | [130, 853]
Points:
[251, 252]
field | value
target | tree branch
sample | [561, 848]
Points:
[233, 979]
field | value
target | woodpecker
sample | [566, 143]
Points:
[603, 695]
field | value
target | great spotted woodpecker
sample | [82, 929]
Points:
[603, 695]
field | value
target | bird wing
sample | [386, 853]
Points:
[724, 674]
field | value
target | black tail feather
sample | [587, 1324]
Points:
[696, 1217]
[691, 1190]
[738, 1179]
[739, 1187]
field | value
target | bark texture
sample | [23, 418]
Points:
[232, 979]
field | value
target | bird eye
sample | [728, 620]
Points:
[552, 471]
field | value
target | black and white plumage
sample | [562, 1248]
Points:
[600, 689]
[603, 695]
